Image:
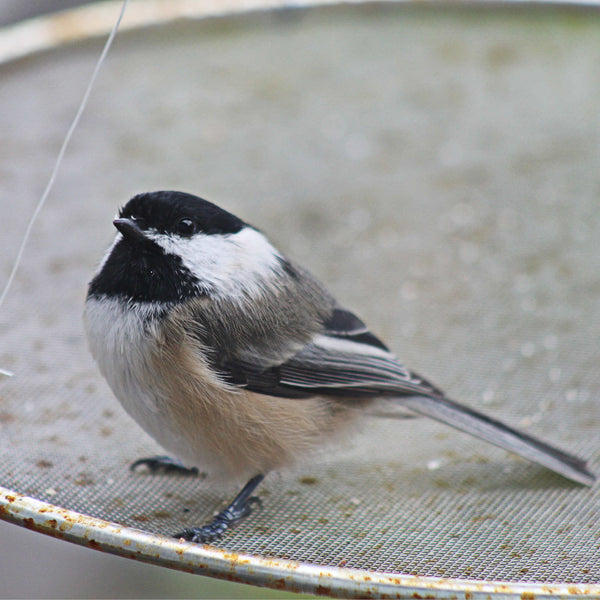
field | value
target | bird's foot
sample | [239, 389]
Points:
[240, 508]
[164, 465]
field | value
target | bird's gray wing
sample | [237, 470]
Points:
[345, 361]
[342, 359]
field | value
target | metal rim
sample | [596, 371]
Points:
[244, 568]
[48, 32]
[51, 31]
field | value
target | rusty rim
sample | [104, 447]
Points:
[244, 568]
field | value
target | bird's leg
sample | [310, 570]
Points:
[164, 465]
[240, 507]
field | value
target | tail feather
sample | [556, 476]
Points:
[470, 421]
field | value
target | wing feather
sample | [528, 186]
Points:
[348, 367]
[343, 359]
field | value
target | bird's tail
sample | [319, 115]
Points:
[477, 424]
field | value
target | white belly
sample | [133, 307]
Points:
[120, 342]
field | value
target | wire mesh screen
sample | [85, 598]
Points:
[437, 167]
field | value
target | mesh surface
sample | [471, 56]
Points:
[439, 169]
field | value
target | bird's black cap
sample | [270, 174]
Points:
[164, 211]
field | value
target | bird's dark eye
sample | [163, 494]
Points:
[140, 221]
[186, 227]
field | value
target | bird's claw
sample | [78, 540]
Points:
[226, 519]
[164, 465]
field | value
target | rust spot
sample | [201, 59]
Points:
[279, 584]
[308, 480]
[84, 479]
[93, 544]
[527, 596]
[323, 590]
[162, 514]
[11, 498]
[66, 526]
[141, 518]
[29, 523]
[51, 523]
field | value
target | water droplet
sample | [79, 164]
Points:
[488, 396]
[571, 395]
[434, 464]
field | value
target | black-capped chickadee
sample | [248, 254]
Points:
[239, 361]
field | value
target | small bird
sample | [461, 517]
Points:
[238, 361]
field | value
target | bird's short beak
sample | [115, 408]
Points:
[130, 229]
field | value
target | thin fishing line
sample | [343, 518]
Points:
[61, 154]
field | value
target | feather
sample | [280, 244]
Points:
[495, 432]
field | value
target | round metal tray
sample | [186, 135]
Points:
[449, 154]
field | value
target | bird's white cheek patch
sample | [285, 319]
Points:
[230, 264]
